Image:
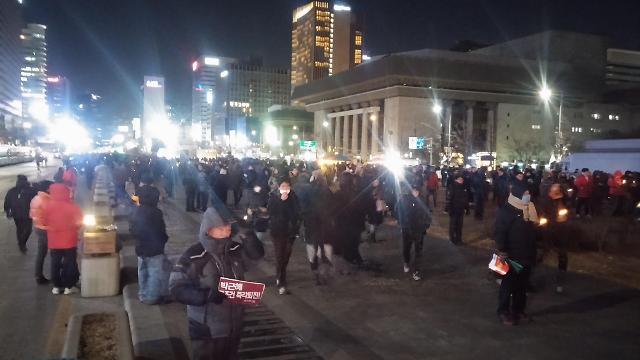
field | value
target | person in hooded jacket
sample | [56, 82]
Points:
[38, 204]
[501, 187]
[284, 224]
[515, 235]
[414, 218]
[617, 193]
[556, 233]
[316, 227]
[149, 230]
[215, 324]
[457, 206]
[16, 206]
[62, 219]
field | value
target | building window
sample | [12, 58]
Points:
[596, 130]
[576, 129]
[595, 116]
[535, 127]
[614, 117]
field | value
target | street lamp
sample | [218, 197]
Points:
[546, 94]
[437, 109]
[325, 123]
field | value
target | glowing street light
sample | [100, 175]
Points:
[325, 123]
[545, 93]
[373, 117]
[437, 109]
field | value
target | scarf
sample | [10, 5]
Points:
[528, 210]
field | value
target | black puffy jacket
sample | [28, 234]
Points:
[413, 214]
[515, 236]
[457, 198]
[18, 199]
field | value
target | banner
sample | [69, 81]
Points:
[241, 292]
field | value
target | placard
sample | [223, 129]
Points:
[241, 292]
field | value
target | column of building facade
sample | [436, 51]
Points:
[364, 139]
[355, 149]
[337, 140]
[345, 134]
[468, 128]
[491, 127]
[448, 112]
[375, 140]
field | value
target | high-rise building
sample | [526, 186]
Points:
[89, 111]
[247, 90]
[324, 41]
[347, 39]
[10, 63]
[206, 74]
[58, 96]
[154, 106]
[33, 75]
[226, 90]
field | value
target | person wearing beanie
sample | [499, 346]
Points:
[38, 204]
[149, 231]
[147, 189]
[414, 217]
[457, 205]
[284, 223]
[215, 324]
[16, 207]
[515, 235]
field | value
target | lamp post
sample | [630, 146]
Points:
[437, 109]
[546, 95]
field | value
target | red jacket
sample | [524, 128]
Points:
[62, 218]
[36, 210]
[615, 184]
[584, 185]
[432, 181]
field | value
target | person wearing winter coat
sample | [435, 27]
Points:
[215, 324]
[202, 201]
[501, 187]
[457, 205]
[348, 213]
[316, 227]
[284, 224]
[16, 207]
[432, 187]
[584, 184]
[555, 232]
[190, 183]
[478, 186]
[617, 192]
[149, 231]
[62, 219]
[375, 207]
[414, 218]
[515, 235]
[36, 210]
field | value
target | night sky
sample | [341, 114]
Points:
[107, 46]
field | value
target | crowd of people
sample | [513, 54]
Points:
[332, 208]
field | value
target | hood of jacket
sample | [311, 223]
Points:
[22, 182]
[210, 219]
[60, 192]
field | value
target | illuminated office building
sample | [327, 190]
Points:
[33, 75]
[324, 40]
[58, 96]
[10, 63]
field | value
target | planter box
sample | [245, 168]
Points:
[119, 334]
[99, 242]
[100, 275]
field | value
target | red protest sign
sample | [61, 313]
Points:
[241, 292]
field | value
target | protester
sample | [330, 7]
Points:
[38, 205]
[284, 223]
[190, 183]
[478, 186]
[457, 205]
[202, 201]
[148, 228]
[554, 210]
[414, 218]
[432, 187]
[16, 206]
[316, 225]
[62, 219]
[501, 187]
[215, 324]
[584, 183]
[515, 236]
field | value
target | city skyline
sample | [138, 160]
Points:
[138, 43]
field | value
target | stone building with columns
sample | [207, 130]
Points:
[480, 104]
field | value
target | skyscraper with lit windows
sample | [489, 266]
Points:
[10, 63]
[324, 40]
[33, 75]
